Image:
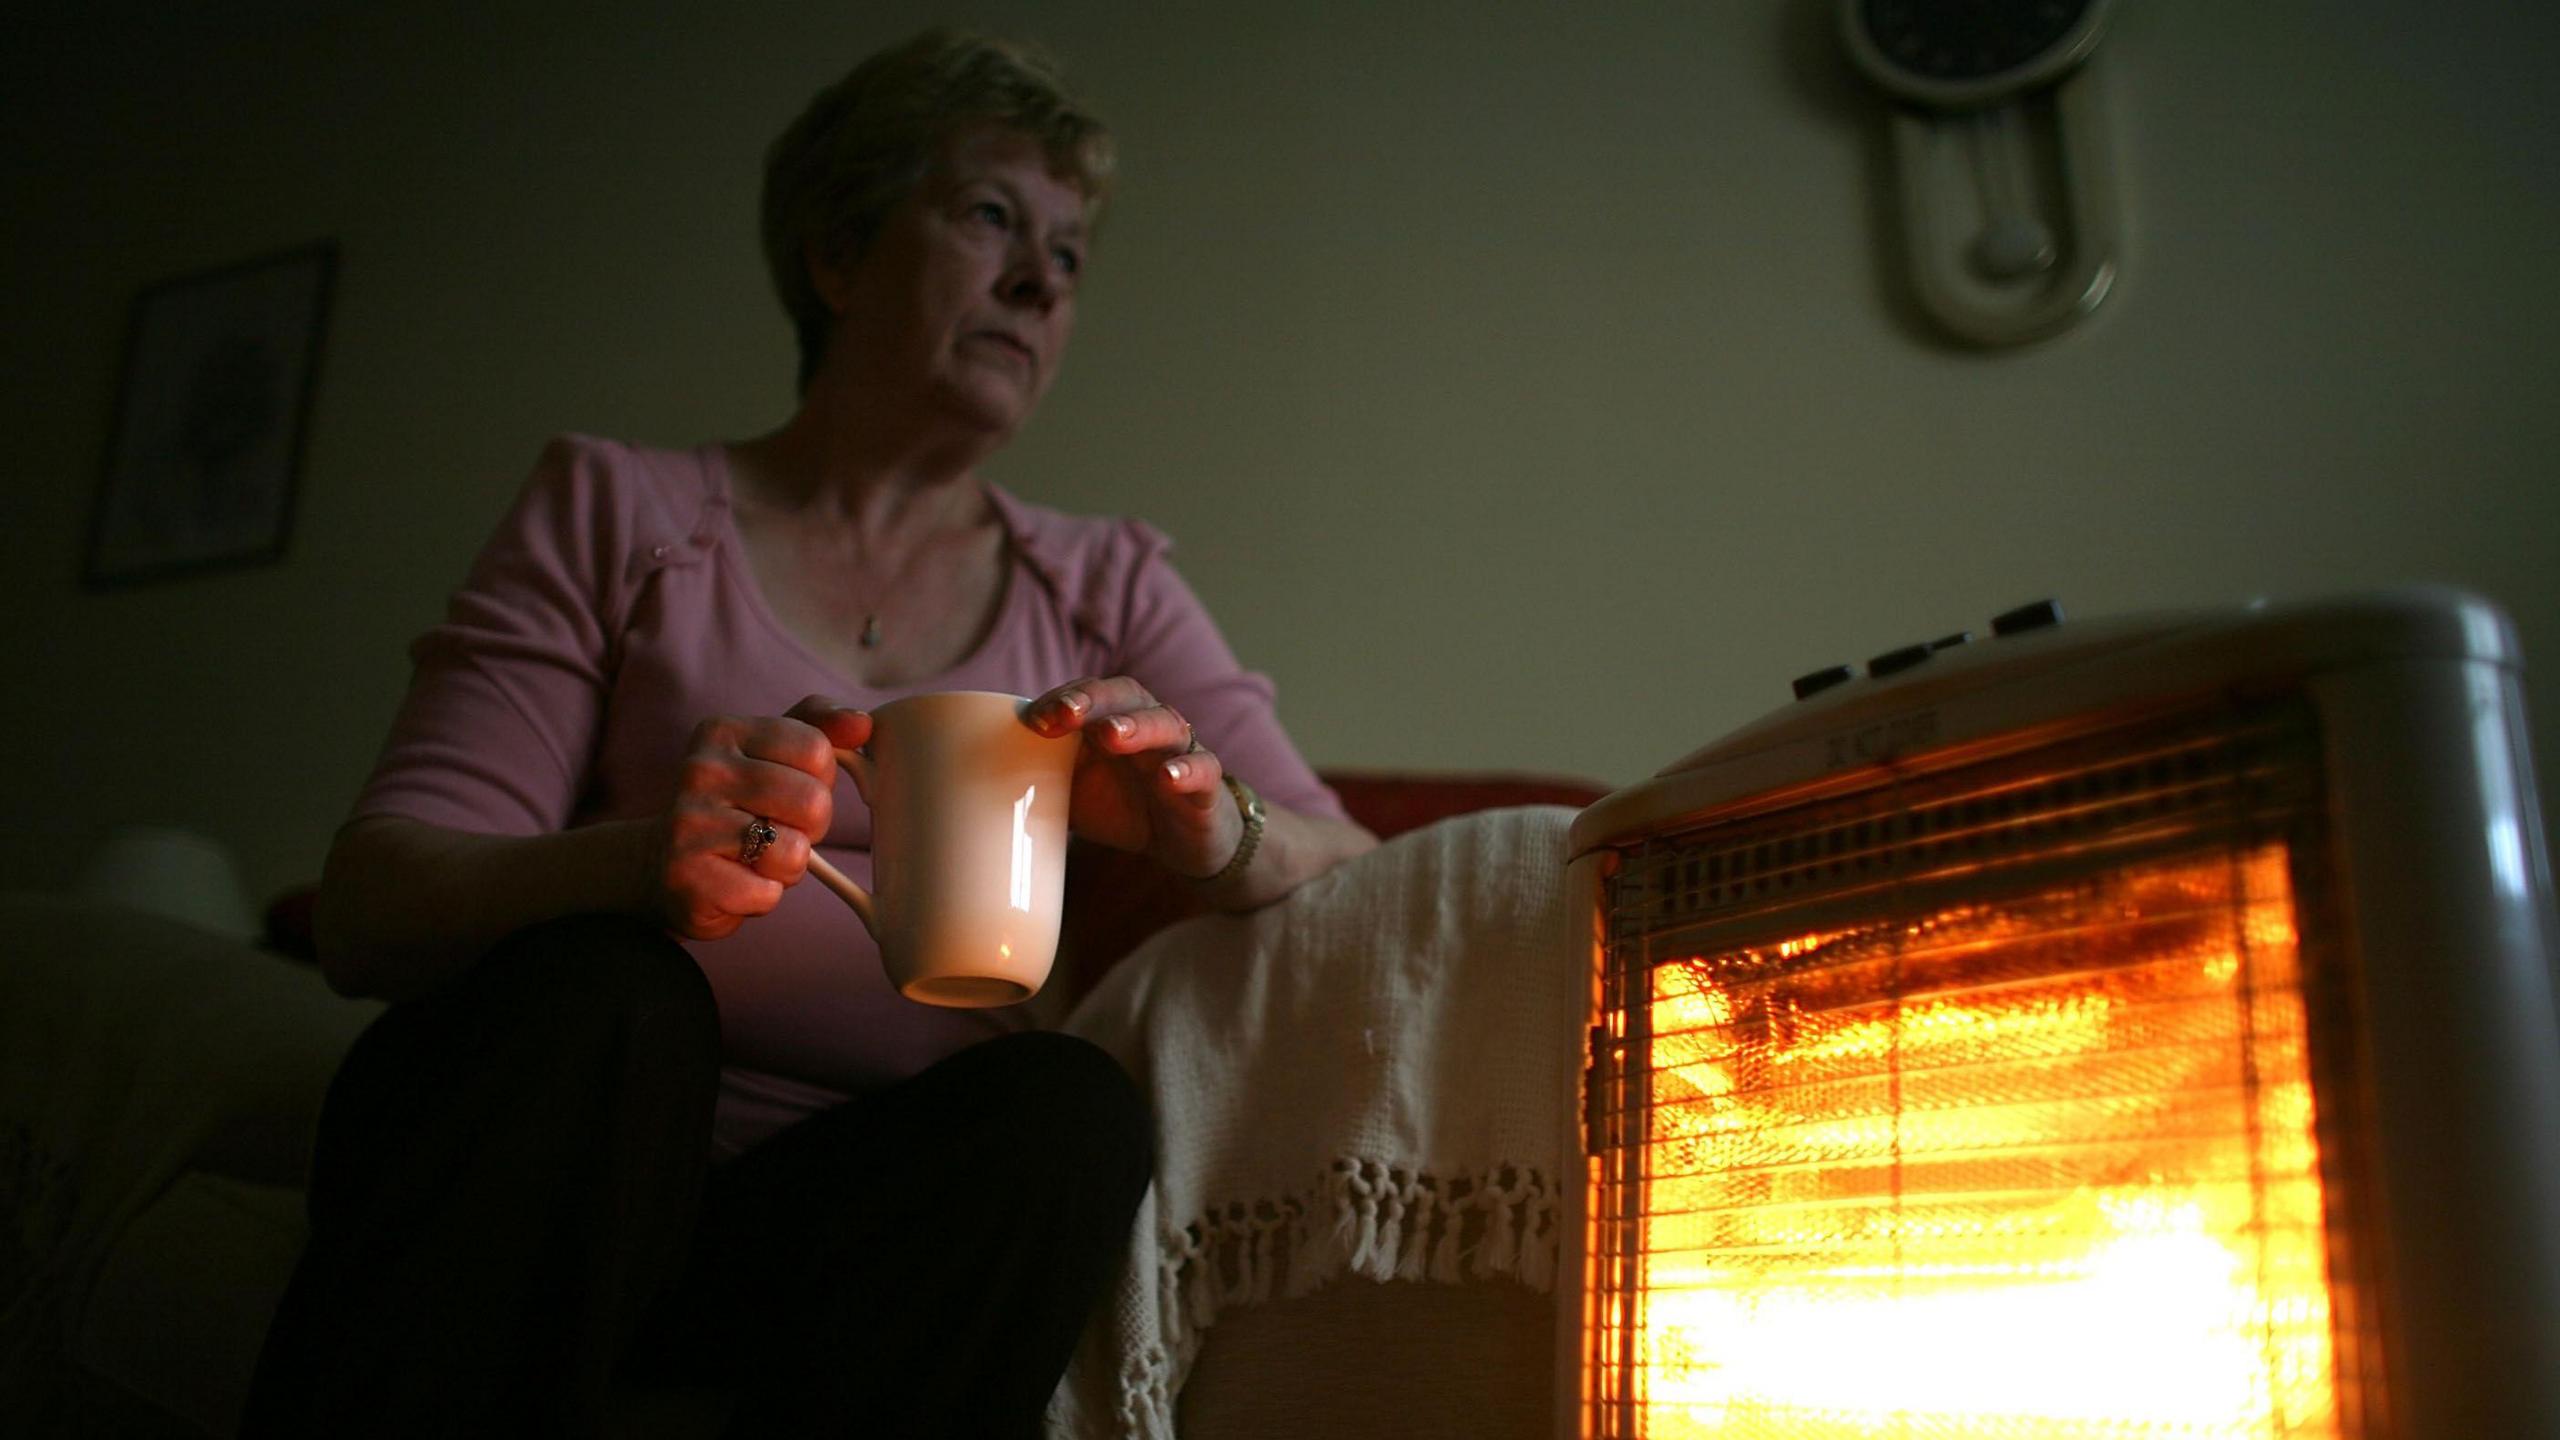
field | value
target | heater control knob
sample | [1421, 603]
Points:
[2034, 616]
[1808, 686]
[1893, 662]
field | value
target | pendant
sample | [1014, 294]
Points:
[870, 631]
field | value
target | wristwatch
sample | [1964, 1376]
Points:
[1248, 805]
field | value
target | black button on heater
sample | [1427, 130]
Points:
[2035, 616]
[1808, 686]
[1894, 662]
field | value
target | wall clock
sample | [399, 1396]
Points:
[1999, 137]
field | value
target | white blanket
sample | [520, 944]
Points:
[1372, 1078]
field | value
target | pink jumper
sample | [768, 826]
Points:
[614, 609]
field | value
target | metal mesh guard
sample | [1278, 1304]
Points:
[2026, 1150]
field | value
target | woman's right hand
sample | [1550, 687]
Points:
[736, 771]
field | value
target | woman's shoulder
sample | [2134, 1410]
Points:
[607, 515]
[659, 504]
[1066, 535]
[1090, 563]
[622, 474]
[1076, 548]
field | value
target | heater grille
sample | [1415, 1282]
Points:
[2101, 800]
[1979, 1104]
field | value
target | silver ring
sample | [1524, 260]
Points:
[1191, 739]
[759, 834]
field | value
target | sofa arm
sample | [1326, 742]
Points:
[144, 1042]
[135, 1052]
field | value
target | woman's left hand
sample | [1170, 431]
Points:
[1141, 782]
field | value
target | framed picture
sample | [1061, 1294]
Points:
[216, 395]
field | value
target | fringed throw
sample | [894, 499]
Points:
[1371, 1080]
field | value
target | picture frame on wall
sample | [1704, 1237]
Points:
[211, 412]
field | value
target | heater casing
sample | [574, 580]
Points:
[2439, 913]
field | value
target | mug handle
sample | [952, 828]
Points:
[858, 765]
[850, 893]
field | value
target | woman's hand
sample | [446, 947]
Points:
[1141, 783]
[706, 874]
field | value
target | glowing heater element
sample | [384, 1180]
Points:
[2039, 1166]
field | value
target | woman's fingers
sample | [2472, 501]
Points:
[743, 840]
[781, 769]
[1156, 728]
[1196, 825]
[1193, 779]
[1117, 714]
[1062, 709]
[777, 852]
[797, 744]
[752, 795]
[845, 727]
[708, 891]
[1145, 782]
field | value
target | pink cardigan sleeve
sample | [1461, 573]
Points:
[1171, 645]
[499, 725]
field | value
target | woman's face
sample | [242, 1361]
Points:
[967, 293]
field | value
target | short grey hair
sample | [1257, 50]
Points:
[866, 141]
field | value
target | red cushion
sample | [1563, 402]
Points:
[1391, 802]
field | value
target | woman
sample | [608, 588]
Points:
[513, 1202]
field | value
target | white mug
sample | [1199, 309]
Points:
[968, 846]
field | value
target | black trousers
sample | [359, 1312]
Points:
[514, 1225]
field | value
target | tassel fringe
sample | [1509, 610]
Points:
[1361, 1217]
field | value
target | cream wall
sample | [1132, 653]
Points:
[1525, 383]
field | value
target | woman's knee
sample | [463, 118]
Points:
[589, 969]
[557, 1026]
[1062, 1096]
[599, 987]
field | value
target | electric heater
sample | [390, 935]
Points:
[2095, 1031]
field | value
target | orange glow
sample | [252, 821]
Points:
[2068, 1187]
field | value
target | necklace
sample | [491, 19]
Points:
[897, 580]
[927, 556]
[927, 552]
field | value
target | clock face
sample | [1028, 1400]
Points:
[1959, 40]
